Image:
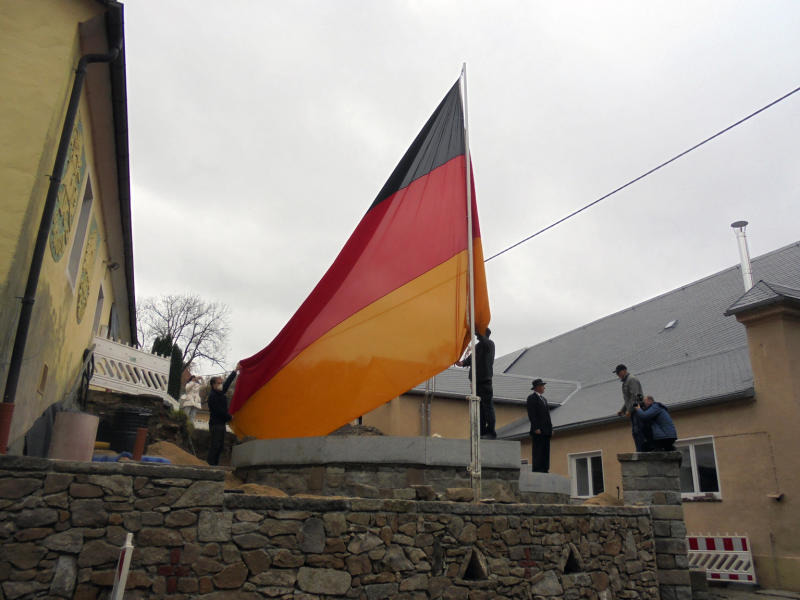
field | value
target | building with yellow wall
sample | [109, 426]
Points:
[85, 285]
[725, 361]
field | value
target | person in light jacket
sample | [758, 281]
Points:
[663, 428]
[190, 401]
[631, 396]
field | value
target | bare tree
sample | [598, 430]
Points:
[201, 328]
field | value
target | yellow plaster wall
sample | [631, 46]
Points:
[449, 416]
[757, 446]
[39, 47]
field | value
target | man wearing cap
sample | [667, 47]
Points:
[541, 427]
[484, 362]
[631, 396]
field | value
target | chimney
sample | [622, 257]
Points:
[744, 253]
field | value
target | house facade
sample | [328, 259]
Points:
[724, 360]
[85, 285]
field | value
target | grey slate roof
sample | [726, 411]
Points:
[508, 389]
[763, 294]
[701, 359]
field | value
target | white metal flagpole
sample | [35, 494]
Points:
[474, 401]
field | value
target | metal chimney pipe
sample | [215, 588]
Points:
[744, 253]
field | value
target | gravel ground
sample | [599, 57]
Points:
[749, 593]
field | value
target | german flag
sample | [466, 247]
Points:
[392, 310]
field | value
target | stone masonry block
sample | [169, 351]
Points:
[667, 512]
[662, 528]
[671, 546]
[673, 577]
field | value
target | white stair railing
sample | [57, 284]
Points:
[122, 368]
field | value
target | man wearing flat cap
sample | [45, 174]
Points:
[632, 395]
[541, 427]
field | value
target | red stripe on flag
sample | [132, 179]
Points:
[406, 235]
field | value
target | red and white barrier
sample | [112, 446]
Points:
[724, 558]
[123, 566]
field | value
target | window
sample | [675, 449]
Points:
[586, 473]
[98, 311]
[698, 468]
[113, 323]
[80, 235]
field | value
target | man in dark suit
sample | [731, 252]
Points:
[483, 363]
[541, 427]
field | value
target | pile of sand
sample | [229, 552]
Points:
[604, 499]
[175, 454]
[178, 456]
[232, 482]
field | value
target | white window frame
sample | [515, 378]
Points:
[81, 227]
[573, 476]
[691, 443]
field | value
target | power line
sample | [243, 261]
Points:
[642, 176]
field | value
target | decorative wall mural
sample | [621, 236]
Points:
[72, 178]
[87, 266]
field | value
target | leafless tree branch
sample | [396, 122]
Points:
[199, 327]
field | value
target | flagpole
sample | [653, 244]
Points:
[474, 406]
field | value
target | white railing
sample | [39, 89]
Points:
[122, 368]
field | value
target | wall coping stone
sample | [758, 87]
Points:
[328, 450]
[544, 482]
[289, 503]
[28, 463]
[649, 457]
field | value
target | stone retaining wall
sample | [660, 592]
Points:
[380, 481]
[653, 479]
[61, 525]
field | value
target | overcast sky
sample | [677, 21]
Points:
[261, 131]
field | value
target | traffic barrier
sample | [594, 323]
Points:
[724, 558]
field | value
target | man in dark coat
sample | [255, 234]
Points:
[218, 415]
[541, 427]
[484, 363]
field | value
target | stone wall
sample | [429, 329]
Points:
[653, 479]
[62, 523]
[380, 480]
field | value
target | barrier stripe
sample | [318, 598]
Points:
[724, 558]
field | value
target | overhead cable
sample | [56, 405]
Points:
[642, 176]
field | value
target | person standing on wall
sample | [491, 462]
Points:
[218, 415]
[484, 363]
[663, 428]
[631, 396]
[541, 428]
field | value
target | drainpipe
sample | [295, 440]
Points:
[15, 364]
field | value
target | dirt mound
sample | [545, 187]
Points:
[232, 482]
[262, 490]
[357, 430]
[175, 454]
[603, 499]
